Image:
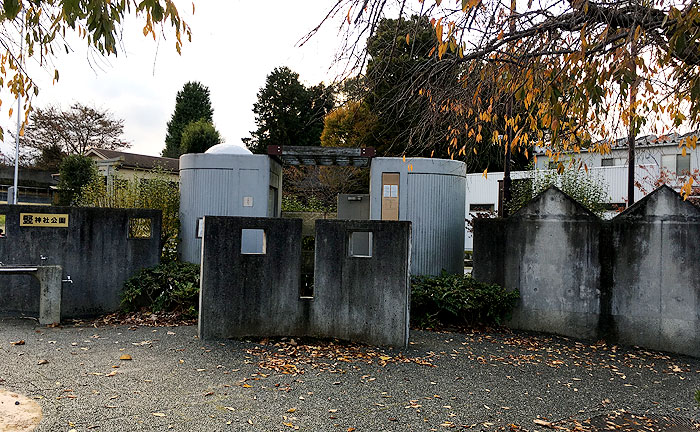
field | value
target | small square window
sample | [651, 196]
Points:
[253, 242]
[360, 244]
[683, 164]
[140, 228]
[607, 162]
[3, 232]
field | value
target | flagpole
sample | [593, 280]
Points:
[19, 105]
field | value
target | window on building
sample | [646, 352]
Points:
[477, 208]
[607, 162]
[683, 163]
[676, 163]
[3, 233]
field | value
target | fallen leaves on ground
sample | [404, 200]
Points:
[145, 319]
[292, 357]
[620, 420]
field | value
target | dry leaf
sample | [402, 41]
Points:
[291, 410]
[42, 362]
[125, 357]
[542, 423]
[158, 414]
[19, 342]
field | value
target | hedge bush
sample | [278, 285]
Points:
[458, 300]
[168, 287]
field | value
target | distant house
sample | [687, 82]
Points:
[33, 186]
[652, 155]
[130, 165]
[661, 151]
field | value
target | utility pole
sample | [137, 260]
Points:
[632, 133]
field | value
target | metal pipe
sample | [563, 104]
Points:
[19, 104]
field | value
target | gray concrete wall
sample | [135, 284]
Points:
[656, 297]
[431, 197]
[631, 280]
[363, 299]
[250, 295]
[94, 250]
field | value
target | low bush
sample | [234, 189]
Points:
[169, 287]
[458, 300]
[697, 397]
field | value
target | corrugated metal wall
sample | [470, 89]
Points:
[431, 196]
[436, 208]
[215, 185]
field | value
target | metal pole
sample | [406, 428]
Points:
[632, 136]
[19, 104]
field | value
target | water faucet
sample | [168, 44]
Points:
[67, 280]
[43, 257]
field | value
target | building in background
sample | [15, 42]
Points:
[130, 165]
[34, 186]
[653, 156]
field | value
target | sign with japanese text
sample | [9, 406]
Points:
[52, 220]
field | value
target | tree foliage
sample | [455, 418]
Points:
[350, 125]
[192, 104]
[585, 72]
[198, 136]
[288, 113]
[76, 171]
[36, 30]
[53, 133]
[152, 190]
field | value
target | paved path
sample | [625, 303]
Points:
[444, 381]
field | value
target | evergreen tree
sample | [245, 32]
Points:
[198, 136]
[288, 113]
[192, 103]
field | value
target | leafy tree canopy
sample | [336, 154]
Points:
[76, 171]
[43, 24]
[53, 133]
[192, 104]
[198, 136]
[350, 125]
[582, 70]
[288, 113]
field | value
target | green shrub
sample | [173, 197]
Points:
[458, 300]
[697, 397]
[169, 287]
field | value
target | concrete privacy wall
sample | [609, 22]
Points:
[631, 280]
[94, 250]
[363, 298]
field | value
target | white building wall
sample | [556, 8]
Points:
[481, 191]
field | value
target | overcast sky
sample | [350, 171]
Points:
[235, 44]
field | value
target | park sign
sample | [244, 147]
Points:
[52, 220]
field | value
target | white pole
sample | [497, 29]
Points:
[19, 104]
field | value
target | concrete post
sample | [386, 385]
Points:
[50, 294]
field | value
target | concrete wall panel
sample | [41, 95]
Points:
[363, 299]
[632, 280]
[94, 250]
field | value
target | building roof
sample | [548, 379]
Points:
[646, 141]
[134, 160]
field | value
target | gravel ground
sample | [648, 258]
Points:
[476, 381]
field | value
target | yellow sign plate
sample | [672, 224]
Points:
[53, 220]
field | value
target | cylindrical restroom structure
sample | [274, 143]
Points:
[227, 180]
[430, 194]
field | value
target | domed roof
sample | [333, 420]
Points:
[230, 149]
